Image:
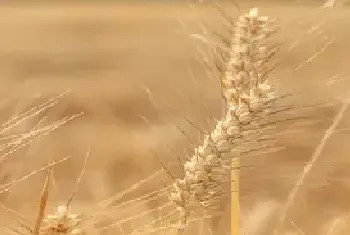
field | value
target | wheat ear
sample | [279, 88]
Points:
[247, 92]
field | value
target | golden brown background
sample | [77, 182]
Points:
[135, 73]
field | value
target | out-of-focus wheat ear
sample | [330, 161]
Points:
[33, 135]
[8, 186]
[42, 205]
[35, 111]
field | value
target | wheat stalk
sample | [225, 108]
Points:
[247, 93]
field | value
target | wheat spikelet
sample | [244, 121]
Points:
[61, 222]
[247, 92]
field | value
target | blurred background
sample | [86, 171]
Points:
[135, 72]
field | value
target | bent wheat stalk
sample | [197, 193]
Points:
[248, 94]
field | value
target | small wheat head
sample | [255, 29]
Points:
[61, 223]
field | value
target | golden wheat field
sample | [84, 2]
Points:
[137, 75]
